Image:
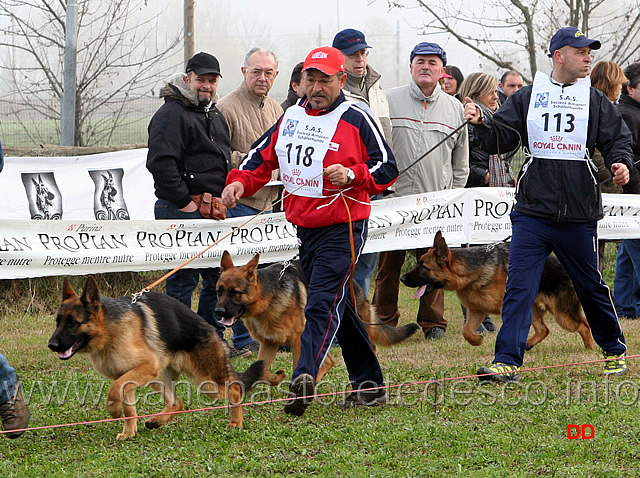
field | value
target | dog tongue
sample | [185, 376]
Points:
[227, 322]
[420, 291]
[66, 354]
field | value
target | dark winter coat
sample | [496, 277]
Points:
[189, 146]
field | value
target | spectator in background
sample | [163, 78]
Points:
[627, 276]
[485, 169]
[510, 82]
[363, 86]
[296, 87]
[451, 80]
[607, 77]
[189, 151]
[250, 112]
[422, 115]
[13, 410]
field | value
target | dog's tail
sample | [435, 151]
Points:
[383, 334]
[252, 375]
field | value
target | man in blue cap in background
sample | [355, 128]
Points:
[560, 119]
[363, 86]
[422, 115]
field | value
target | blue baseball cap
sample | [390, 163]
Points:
[349, 41]
[426, 48]
[570, 36]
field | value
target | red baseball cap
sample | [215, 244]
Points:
[445, 75]
[327, 59]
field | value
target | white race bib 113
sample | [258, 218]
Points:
[558, 118]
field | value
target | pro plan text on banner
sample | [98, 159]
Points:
[108, 186]
[465, 216]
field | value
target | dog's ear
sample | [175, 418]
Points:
[226, 262]
[91, 295]
[252, 265]
[441, 250]
[67, 290]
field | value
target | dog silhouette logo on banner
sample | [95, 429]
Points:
[108, 200]
[45, 200]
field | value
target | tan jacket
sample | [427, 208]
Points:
[373, 96]
[249, 116]
[419, 122]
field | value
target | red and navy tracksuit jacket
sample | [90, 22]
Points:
[362, 149]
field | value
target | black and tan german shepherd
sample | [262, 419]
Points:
[478, 275]
[149, 342]
[271, 302]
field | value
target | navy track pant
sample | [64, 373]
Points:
[575, 245]
[325, 255]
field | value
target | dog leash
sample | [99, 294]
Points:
[436, 146]
[136, 295]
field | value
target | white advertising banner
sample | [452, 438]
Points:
[99, 186]
[73, 242]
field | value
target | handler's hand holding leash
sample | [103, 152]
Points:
[231, 194]
[472, 113]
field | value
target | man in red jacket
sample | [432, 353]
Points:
[331, 157]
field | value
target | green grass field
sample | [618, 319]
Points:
[456, 428]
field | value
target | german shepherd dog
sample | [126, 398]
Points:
[150, 342]
[478, 275]
[271, 302]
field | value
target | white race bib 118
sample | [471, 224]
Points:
[302, 144]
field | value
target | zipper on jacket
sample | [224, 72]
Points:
[207, 120]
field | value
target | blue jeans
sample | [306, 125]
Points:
[364, 270]
[182, 283]
[241, 337]
[366, 264]
[626, 282]
[575, 245]
[8, 380]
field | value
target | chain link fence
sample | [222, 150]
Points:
[114, 123]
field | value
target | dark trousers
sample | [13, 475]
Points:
[183, 282]
[385, 296]
[575, 245]
[325, 255]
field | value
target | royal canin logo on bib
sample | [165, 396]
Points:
[296, 172]
[556, 138]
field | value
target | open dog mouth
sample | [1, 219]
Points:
[229, 321]
[70, 352]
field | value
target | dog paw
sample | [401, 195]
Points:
[233, 425]
[152, 424]
[124, 436]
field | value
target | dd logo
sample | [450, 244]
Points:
[575, 431]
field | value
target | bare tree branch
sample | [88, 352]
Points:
[116, 58]
[511, 32]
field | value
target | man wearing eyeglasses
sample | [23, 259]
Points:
[250, 112]
[363, 86]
